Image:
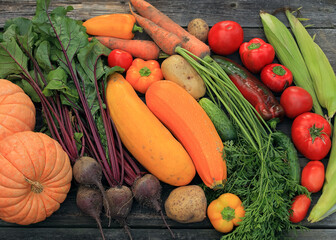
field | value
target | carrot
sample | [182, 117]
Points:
[144, 49]
[166, 40]
[190, 124]
[189, 42]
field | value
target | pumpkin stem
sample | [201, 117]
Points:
[36, 187]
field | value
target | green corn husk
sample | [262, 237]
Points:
[326, 205]
[321, 72]
[288, 53]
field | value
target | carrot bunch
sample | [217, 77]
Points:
[165, 32]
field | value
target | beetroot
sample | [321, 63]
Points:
[90, 201]
[147, 191]
[87, 171]
[120, 199]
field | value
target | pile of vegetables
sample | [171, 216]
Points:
[121, 121]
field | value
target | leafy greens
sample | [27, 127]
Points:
[51, 58]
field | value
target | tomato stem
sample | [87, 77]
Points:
[316, 132]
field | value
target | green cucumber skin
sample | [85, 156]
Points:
[222, 123]
[283, 141]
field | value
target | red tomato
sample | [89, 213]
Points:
[276, 77]
[312, 176]
[296, 100]
[120, 58]
[225, 37]
[300, 207]
[311, 135]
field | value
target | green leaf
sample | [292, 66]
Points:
[29, 90]
[78, 138]
[88, 56]
[61, 11]
[72, 35]
[12, 59]
[22, 24]
[90, 90]
[57, 82]
[42, 56]
[25, 39]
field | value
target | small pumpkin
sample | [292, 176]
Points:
[17, 111]
[35, 177]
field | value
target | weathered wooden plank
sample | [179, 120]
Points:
[68, 222]
[140, 234]
[246, 13]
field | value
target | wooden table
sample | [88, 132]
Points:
[68, 222]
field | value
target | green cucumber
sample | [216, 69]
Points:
[222, 123]
[283, 141]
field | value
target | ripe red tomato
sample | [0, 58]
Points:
[300, 206]
[311, 135]
[296, 100]
[312, 176]
[225, 37]
[120, 58]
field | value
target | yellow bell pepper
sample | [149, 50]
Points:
[225, 212]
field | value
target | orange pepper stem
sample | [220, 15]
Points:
[137, 28]
[228, 213]
[145, 72]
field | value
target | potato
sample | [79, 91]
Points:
[199, 28]
[186, 204]
[176, 69]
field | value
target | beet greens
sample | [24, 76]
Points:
[51, 58]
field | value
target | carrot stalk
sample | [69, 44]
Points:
[144, 49]
[189, 42]
[166, 40]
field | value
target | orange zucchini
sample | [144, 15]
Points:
[147, 139]
[190, 124]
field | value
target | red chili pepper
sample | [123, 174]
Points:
[252, 89]
[256, 54]
[276, 77]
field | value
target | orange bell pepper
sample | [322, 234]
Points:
[118, 25]
[142, 74]
[226, 212]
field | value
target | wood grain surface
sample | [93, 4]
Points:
[68, 222]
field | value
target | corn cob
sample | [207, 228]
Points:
[322, 74]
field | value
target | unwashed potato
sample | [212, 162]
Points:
[186, 204]
[176, 69]
[199, 28]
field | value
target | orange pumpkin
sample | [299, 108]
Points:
[17, 111]
[35, 177]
